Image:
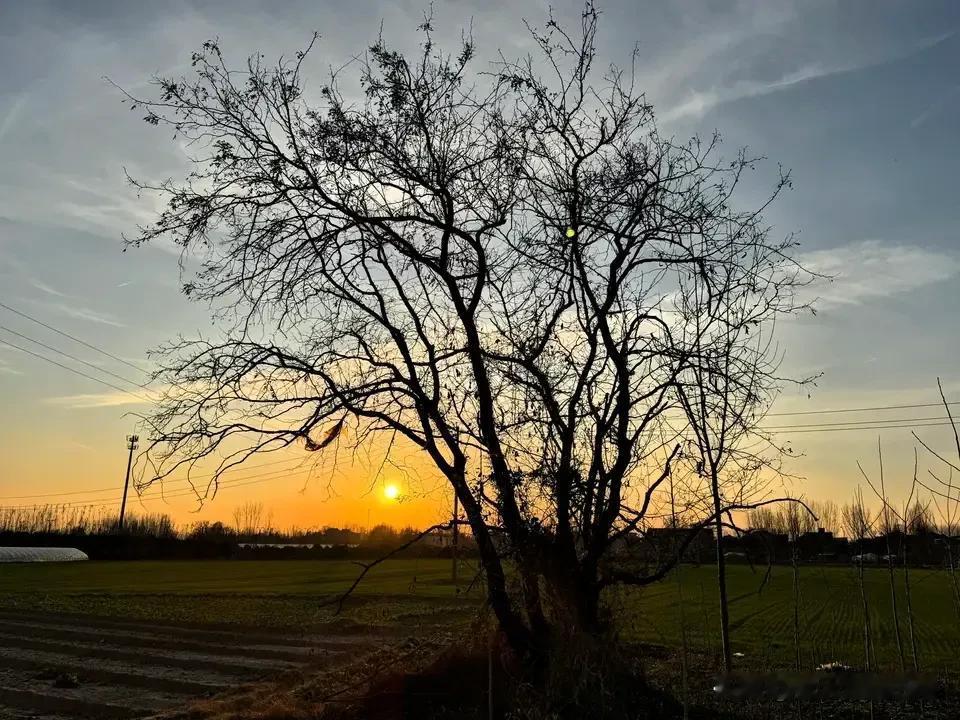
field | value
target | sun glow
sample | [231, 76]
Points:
[391, 492]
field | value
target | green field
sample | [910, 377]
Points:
[831, 615]
[410, 594]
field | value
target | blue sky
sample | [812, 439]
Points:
[861, 100]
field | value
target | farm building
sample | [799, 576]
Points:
[40, 554]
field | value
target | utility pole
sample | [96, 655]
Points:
[132, 444]
[456, 535]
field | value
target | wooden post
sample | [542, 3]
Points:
[132, 441]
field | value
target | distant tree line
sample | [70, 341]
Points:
[156, 536]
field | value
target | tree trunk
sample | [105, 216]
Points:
[796, 603]
[576, 600]
[683, 632]
[913, 634]
[867, 638]
[722, 585]
[517, 633]
[893, 608]
[953, 577]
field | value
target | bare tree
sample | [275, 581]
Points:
[914, 521]
[827, 515]
[858, 523]
[249, 517]
[724, 390]
[501, 268]
[887, 529]
[945, 496]
[795, 525]
[889, 525]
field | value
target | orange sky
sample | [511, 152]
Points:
[82, 452]
[85, 465]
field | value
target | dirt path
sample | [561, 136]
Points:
[59, 666]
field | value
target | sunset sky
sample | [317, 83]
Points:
[860, 99]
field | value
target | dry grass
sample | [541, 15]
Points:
[338, 692]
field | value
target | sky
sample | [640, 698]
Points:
[859, 99]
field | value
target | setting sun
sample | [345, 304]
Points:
[391, 492]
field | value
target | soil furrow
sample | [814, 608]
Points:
[87, 673]
[213, 633]
[190, 661]
[144, 640]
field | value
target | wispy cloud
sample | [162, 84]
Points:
[99, 400]
[699, 102]
[871, 269]
[934, 107]
[83, 313]
[43, 287]
[11, 115]
[6, 369]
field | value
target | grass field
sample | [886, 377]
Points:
[831, 615]
[409, 593]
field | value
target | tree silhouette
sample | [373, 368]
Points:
[500, 266]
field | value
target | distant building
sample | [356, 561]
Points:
[821, 546]
[663, 543]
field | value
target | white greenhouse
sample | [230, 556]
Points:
[40, 554]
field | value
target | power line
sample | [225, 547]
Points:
[73, 357]
[263, 477]
[135, 367]
[855, 422]
[860, 409]
[160, 495]
[866, 427]
[73, 370]
[172, 480]
[71, 337]
[150, 494]
[27, 316]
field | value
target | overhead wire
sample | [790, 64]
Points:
[867, 424]
[74, 358]
[860, 409]
[71, 337]
[73, 370]
[159, 494]
[178, 480]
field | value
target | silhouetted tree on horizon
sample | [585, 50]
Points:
[512, 269]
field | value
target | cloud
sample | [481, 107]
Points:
[6, 369]
[10, 117]
[43, 287]
[98, 400]
[872, 269]
[934, 107]
[699, 102]
[82, 313]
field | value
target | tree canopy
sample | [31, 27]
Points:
[507, 265]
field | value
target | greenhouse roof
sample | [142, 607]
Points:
[40, 554]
